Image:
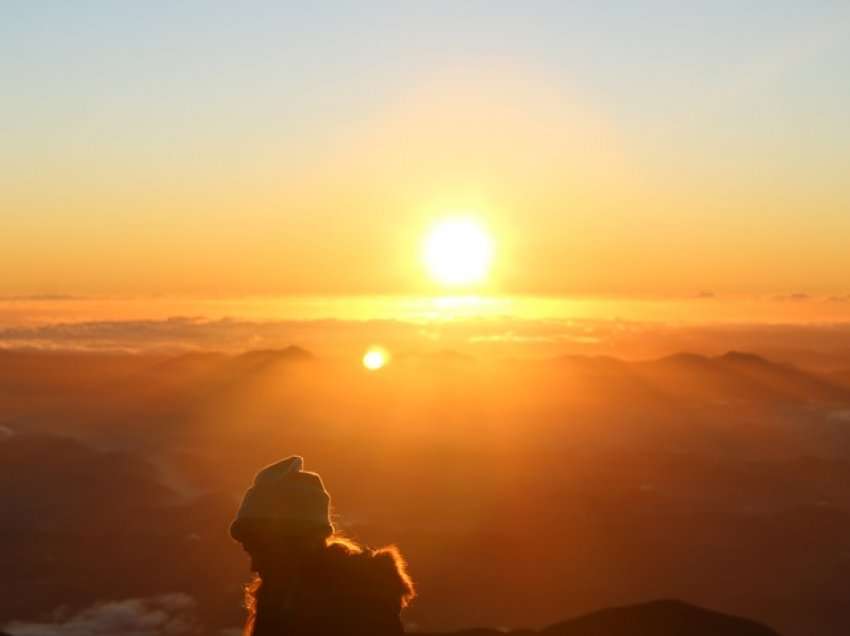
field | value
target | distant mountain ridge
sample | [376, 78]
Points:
[733, 376]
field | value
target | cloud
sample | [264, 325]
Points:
[474, 336]
[165, 615]
[39, 298]
[533, 338]
[796, 297]
[192, 333]
[186, 333]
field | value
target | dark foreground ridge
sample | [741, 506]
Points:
[657, 618]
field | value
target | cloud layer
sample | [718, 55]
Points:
[826, 346]
[165, 615]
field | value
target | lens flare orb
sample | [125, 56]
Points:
[375, 358]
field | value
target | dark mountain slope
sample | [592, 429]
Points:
[664, 618]
[738, 377]
[657, 618]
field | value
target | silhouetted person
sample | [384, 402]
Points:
[310, 581]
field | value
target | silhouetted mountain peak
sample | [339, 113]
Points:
[684, 358]
[743, 357]
[290, 353]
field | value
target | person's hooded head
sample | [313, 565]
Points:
[286, 507]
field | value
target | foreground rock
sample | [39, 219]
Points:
[658, 618]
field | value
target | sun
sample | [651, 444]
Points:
[375, 358]
[458, 251]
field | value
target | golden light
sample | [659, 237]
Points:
[458, 251]
[375, 358]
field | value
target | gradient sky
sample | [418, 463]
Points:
[265, 148]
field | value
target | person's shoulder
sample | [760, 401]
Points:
[390, 572]
[374, 574]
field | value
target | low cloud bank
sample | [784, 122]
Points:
[165, 615]
[819, 346]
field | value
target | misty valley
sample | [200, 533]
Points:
[521, 492]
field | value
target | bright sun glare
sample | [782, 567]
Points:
[458, 251]
[375, 358]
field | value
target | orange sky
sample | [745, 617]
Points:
[732, 186]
